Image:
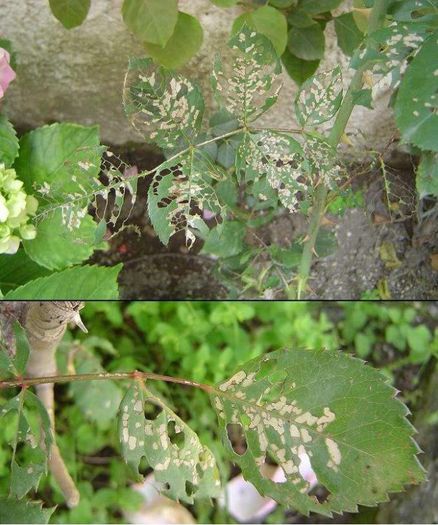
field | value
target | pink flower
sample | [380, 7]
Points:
[7, 74]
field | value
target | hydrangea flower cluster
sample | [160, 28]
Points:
[16, 207]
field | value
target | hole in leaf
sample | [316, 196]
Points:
[190, 488]
[320, 493]
[237, 439]
[272, 471]
[176, 435]
[151, 411]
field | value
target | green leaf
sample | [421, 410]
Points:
[267, 21]
[71, 13]
[320, 406]
[184, 43]
[22, 349]
[307, 43]
[56, 247]
[151, 21]
[300, 18]
[83, 282]
[225, 240]
[18, 269]
[171, 448]
[427, 175]
[14, 511]
[319, 98]
[26, 476]
[348, 34]
[98, 400]
[165, 107]
[61, 163]
[298, 69]
[9, 145]
[417, 100]
[176, 190]
[254, 71]
[316, 7]
[282, 4]
[419, 339]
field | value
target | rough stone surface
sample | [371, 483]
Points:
[77, 75]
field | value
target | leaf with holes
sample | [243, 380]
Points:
[319, 98]
[171, 448]
[280, 159]
[26, 470]
[248, 85]
[179, 193]
[289, 167]
[417, 100]
[60, 163]
[323, 407]
[165, 107]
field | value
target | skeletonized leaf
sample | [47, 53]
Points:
[14, 511]
[248, 85]
[179, 193]
[289, 168]
[279, 158]
[165, 107]
[171, 448]
[319, 98]
[326, 408]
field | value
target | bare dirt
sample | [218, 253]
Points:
[381, 247]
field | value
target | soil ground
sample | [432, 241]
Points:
[381, 246]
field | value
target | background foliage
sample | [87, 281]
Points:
[205, 342]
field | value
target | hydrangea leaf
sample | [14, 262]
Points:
[80, 282]
[417, 100]
[249, 84]
[171, 448]
[319, 98]
[179, 193]
[326, 408]
[15, 511]
[9, 145]
[60, 164]
[165, 107]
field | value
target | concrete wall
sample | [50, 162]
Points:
[77, 75]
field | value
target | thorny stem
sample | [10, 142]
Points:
[29, 381]
[376, 19]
